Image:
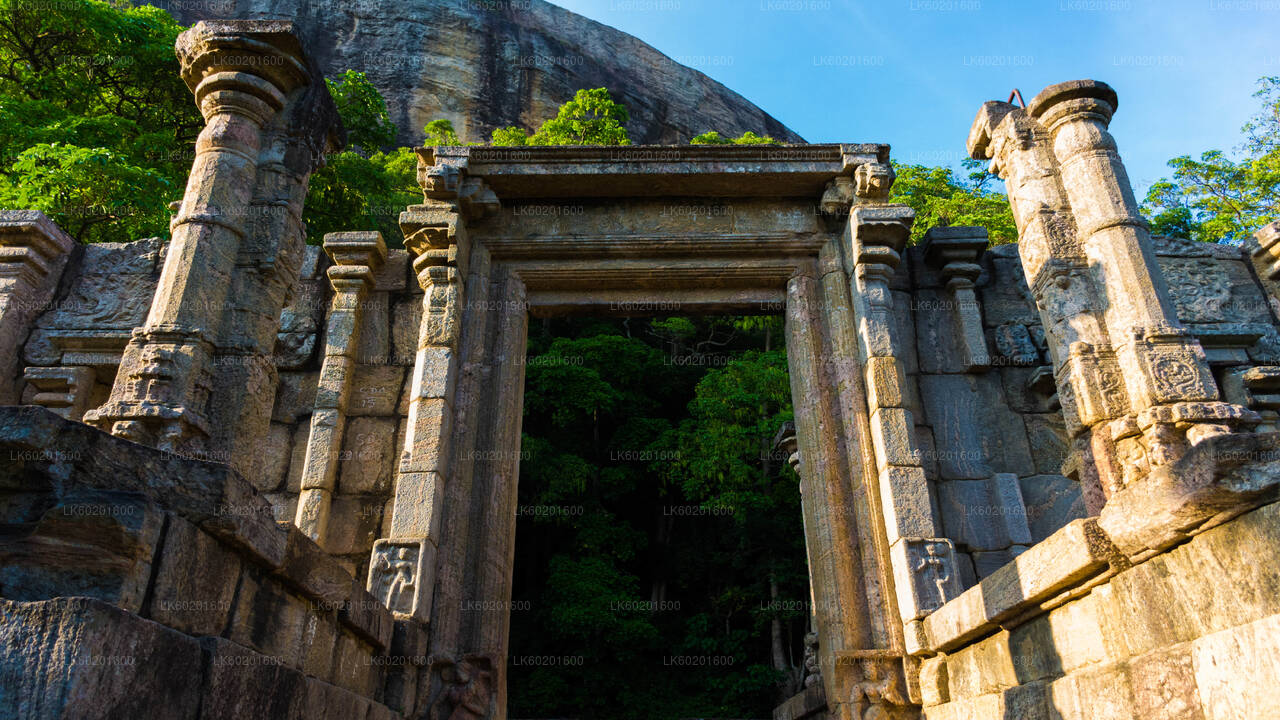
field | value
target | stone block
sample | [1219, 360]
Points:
[353, 524]
[1076, 552]
[1095, 694]
[90, 543]
[1006, 298]
[83, 658]
[195, 581]
[893, 434]
[1164, 686]
[277, 451]
[354, 669]
[970, 516]
[295, 396]
[368, 456]
[904, 333]
[406, 317]
[934, 682]
[375, 390]
[323, 701]
[975, 432]
[928, 452]
[1051, 502]
[1237, 671]
[1047, 437]
[1007, 494]
[315, 573]
[428, 436]
[986, 563]
[434, 373]
[904, 497]
[241, 683]
[269, 618]
[981, 668]
[394, 274]
[939, 342]
[319, 640]
[375, 329]
[298, 455]
[884, 381]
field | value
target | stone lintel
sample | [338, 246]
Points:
[656, 171]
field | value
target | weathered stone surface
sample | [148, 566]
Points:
[277, 450]
[368, 456]
[195, 581]
[1221, 474]
[1237, 671]
[1076, 552]
[974, 433]
[295, 397]
[406, 317]
[94, 660]
[483, 68]
[375, 390]
[1051, 502]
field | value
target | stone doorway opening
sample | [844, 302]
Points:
[659, 565]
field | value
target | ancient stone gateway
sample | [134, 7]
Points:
[509, 233]
[248, 478]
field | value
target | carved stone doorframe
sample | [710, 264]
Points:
[505, 234]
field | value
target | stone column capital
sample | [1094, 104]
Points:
[240, 51]
[952, 247]
[1073, 101]
[356, 248]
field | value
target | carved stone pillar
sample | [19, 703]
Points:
[435, 233]
[193, 378]
[1171, 390]
[33, 252]
[923, 562]
[956, 251]
[356, 256]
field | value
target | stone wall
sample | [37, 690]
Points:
[1188, 634]
[132, 576]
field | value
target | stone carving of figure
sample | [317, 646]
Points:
[397, 577]
[469, 695]
[877, 694]
[932, 565]
[812, 674]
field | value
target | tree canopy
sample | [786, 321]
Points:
[1220, 199]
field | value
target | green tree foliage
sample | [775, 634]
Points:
[713, 137]
[367, 186]
[95, 124]
[656, 525]
[363, 112]
[942, 199]
[592, 117]
[440, 132]
[1216, 198]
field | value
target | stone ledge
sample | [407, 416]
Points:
[76, 463]
[1076, 553]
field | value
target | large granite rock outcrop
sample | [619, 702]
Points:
[493, 64]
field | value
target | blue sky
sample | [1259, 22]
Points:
[913, 72]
